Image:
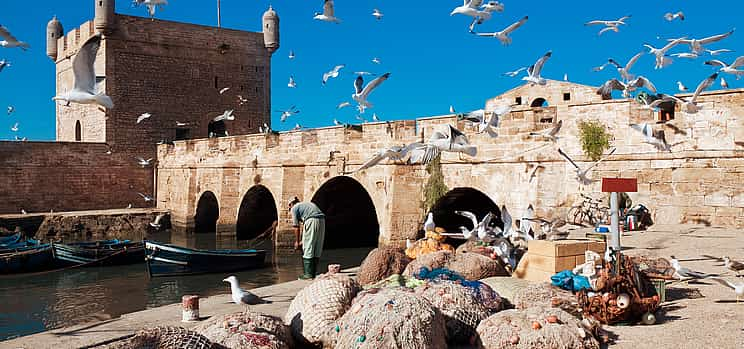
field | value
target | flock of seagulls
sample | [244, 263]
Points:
[684, 273]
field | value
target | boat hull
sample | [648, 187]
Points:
[168, 260]
[37, 259]
[88, 254]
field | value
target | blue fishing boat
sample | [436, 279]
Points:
[166, 260]
[99, 253]
[39, 258]
[20, 246]
[10, 240]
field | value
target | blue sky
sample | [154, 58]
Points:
[433, 59]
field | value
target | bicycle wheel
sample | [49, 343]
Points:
[574, 214]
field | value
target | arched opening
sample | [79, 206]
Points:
[463, 199]
[539, 103]
[207, 212]
[216, 129]
[351, 219]
[257, 213]
[78, 131]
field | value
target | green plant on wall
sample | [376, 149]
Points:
[435, 187]
[594, 138]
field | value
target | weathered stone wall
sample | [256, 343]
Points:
[100, 225]
[696, 182]
[554, 92]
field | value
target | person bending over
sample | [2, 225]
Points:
[312, 236]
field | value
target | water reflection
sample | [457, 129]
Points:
[37, 302]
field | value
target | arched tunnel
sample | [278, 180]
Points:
[207, 213]
[351, 219]
[463, 199]
[256, 214]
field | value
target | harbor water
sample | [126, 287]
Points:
[32, 303]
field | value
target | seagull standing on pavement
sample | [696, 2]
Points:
[736, 267]
[503, 35]
[582, 172]
[241, 296]
[84, 88]
[681, 272]
[10, 41]
[533, 72]
[329, 14]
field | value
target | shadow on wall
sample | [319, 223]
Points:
[256, 214]
[463, 199]
[207, 213]
[351, 219]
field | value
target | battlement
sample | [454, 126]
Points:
[69, 44]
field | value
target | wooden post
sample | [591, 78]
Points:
[190, 307]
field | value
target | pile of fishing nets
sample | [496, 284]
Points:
[546, 295]
[390, 318]
[381, 263]
[427, 245]
[396, 280]
[474, 247]
[534, 328]
[484, 294]
[165, 338]
[474, 266]
[430, 261]
[247, 331]
[459, 304]
[317, 306]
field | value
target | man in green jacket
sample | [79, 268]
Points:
[313, 234]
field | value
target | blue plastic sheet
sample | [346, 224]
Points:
[567, 280]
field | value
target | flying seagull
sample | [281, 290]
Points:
[342, 105]
[550, 133]
[660, 53]
[151, 5]
[471, 8]
[729, 68]
[533, 72]
[3, 64]
[736, 267]
[515, 72]
[146, 197]
[241, 296]
[377, 14]
[10, 41]
[718, 52]
[157, 222]
[489, 126]
[143, 116]
[493, 6]
[394, 153]
[287, 113]
[84, 90]
[481, 229]
[738, 288]
[242, 100]
[503, 35]
[696, 45]
[690, 105]
[450, 140]
[225, 116]
[182, 124]
[625, 70]
[333, 73]
[15, 127]
[291, 54]
[11, 109]
[653, 137]
[360, 94]
[681, 87]
[582, 172]
[689, 55]
[337, 123]
[609, 25]
[224, 89]
[328, 14]
[291, 83]
[142, 162]
[376, 60]
[672, 16]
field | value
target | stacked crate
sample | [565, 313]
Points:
[546, 258]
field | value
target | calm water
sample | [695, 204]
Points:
[35, 303]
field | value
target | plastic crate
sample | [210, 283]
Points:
[660, 286]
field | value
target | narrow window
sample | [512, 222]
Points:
[215, 82]
[182, 133]
[567, 96]
[78, 132]
[100, 3]
[518, 100]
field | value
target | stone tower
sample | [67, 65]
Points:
[54, 31]
[104, 18]
[271, 30]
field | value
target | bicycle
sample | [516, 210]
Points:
[589, 211]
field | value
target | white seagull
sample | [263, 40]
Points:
[242, 100]
[333, 73]
[143, 116]
[342, 105]
[15, 127]
[696, 45]
[729, 68]
[471, 8]
[156, 223]
[152, 5]
[689, 55]
[375, 117]
[429, 224]
[182, 124]
[681, 272]
[614, 84]
[394, 153]
[227, 115]
[361, 94]
[287, 113]
[9, 40]
[142, 162]
[493, 6]
[681, 87]
[609, 25]
[328, 14]
[292, 83]
[672, 16]
[738, 288]
[450, 139]
[653, 137]
[3, 64]
[515, 72]
[84, 90]
[582, 172]
[291, 54]
[724, 84]
[11, 109]
[224, 89]
[660, 53]
[489, 126]
[377, 14]
[481, 229]
[689, 105]
[241, 296]
[718, 52]
[503, 35]
[549, 133]
[533, 72]
[376, 60]
[145, 197]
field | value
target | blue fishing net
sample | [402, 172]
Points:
[439, 274]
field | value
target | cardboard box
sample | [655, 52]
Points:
[552, 264]
[561, 248]
[528, 272]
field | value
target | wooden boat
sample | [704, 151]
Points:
[10, 240]
[40, 258]
[99, 253]
[20, 246]
[166, 260]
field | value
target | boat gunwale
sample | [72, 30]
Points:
[189, 251]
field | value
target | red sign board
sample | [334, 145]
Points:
[619, 185]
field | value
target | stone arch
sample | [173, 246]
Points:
[539, 102]
[256, 214]
[351, 217]
[463, 199]
[78, 131]
[207, 213]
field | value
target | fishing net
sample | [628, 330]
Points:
[381, 263]
[396, 280]
[316, 307]
[166, 338]
[484, 293]
[390, 318]
[507, 287]
[534, 328]
[430, 261]
[474, 266]
[474, 247]
[427, 245]
[546, 295]
[247, 331]
[658, 268]
[461, 308]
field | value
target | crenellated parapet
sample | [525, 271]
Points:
[69, 44]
